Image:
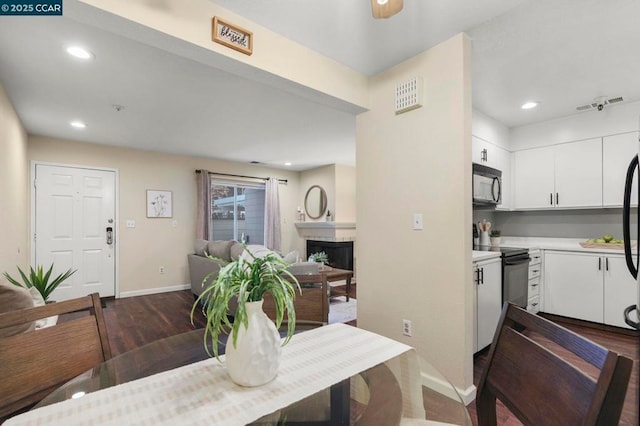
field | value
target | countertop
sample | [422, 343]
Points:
[485, 255]
[533, 243]
[560, 244]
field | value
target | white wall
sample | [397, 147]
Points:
[339, 182]
[490, 130]
[275, 60]
[14, 186]
[325, 177]
[154, 242]
[612, 120]
[345, 190]
[418, 162]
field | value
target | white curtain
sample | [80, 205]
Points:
[203, 221]
[272, 215]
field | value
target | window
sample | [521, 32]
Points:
[237, 211]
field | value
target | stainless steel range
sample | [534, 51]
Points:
[515, 275]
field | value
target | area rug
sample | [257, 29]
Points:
[342, 311]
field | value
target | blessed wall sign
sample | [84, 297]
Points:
[232, 36]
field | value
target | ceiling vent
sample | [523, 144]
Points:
[599, 103]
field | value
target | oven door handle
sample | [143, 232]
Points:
[517, 262]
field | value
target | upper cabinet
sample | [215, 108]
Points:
[488, 154]
[617, 152]
[560, 176]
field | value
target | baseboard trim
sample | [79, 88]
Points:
[149, 291]
[443, 387]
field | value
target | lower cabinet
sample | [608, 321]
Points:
[588, 286]
[620, 290]
[487, 277]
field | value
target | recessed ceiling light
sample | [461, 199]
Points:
[529, 105]
[78, 395]
[287, 163]
[78, 124]
[383, 1]
[79, 52]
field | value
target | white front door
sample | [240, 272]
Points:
[74, 214]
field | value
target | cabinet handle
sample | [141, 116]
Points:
[599, 264]
[606, 263]
[551, 198]
[534, 304]
[535, 285]
[481, 275]
[557, 198]
[535, 270]
[477, 274]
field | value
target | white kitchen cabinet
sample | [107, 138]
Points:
[534, 178]
[488, 154]
[573, 285]
[620, 290]
[488, 283]
[535, 273]
[617, 152]
[578, 168]
[560, 176]
[592, 287]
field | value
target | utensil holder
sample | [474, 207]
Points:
[484, 238]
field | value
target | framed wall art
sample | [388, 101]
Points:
[232, 36]
[159, 203]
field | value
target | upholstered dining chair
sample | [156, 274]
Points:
[36, 362]
[542, 388]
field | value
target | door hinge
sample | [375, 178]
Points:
[34, 236]
[35, 183]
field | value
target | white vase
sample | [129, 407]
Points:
[255, 358]
[495, 241]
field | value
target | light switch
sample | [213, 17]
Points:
[417, 221]
[131, 223]
[174, 224]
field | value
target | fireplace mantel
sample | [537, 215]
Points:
[327, 231]
[326, 225]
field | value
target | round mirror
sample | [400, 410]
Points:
[315, 202]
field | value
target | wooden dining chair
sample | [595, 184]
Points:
[34, 363]
[312, 304]
[540, 387]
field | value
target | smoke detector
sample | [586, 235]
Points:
[599, 103]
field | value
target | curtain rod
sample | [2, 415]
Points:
[243, 176]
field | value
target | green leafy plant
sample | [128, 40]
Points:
[320, 257]
[495, 233]
[249, 280]
[40, 280]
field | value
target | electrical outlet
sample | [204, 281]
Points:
[162, 269]
[406, 327]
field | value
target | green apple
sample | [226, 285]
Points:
[607, 238]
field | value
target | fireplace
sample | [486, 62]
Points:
[340, 253]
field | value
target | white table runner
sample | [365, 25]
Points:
[202, 393]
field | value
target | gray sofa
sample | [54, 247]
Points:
[200, 265]
[226, 251]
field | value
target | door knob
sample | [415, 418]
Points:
[109, 235]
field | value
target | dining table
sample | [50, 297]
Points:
[327, 381]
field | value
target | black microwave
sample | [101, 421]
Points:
[487, 186]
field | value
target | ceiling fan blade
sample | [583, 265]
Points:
[390, 8]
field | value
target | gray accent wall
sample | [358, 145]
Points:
[561, 223]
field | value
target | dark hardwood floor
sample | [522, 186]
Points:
[136, 321]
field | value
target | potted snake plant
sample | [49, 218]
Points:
[40, 280]
[253, 348]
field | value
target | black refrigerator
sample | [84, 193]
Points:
[631, 313]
